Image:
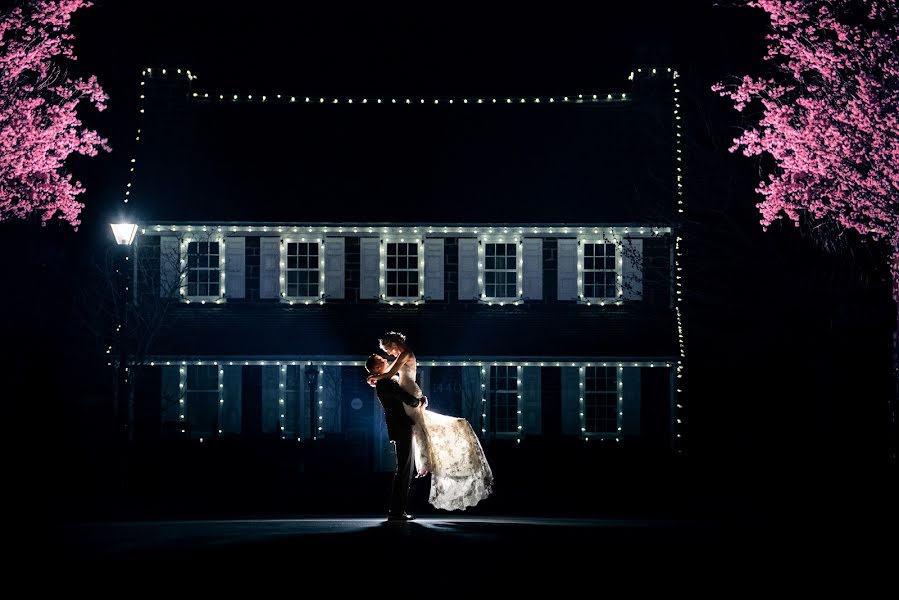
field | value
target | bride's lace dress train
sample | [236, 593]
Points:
[448, 448]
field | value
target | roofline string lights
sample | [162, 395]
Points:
[364, 230]
[598, 98]
[141, 111]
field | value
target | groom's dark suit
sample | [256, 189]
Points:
[399, 430]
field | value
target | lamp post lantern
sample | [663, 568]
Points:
[123, 233]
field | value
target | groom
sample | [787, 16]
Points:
[399, 430]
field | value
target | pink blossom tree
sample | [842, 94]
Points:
[829, 119]
[39, 126]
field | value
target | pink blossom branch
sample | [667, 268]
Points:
[39, 125]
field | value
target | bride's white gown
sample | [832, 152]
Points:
[448, 448]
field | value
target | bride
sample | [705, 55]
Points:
[444, 446]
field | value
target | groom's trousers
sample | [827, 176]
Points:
[402, 476]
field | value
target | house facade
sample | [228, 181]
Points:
[541, 303]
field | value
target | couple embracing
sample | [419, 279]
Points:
[425, 441]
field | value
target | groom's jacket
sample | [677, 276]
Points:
[392, 398]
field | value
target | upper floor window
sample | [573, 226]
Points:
[303, 270]
[601, 277]
[204, 273]
[402, 271]
[601, 412]
[501, 271]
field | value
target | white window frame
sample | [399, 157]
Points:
[186, 240]
[382, 278]
[482, 269]
[619, 265]
[321, 269]
[490, 393]
[582, 405]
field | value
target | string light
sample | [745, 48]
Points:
[483, 379]
[182, 391]
[441, 101]
[678, 282]
[518, 404]
[393, 231]
[321, 404]
[221, 386]
[282, 406]
[425, 362]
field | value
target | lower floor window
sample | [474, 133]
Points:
[201, 400]
[601, 400]
[504, 399]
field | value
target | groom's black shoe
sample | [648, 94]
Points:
[402, 518]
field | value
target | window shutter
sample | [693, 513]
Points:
[468, 269]
[472, 396]
[532, 254]
[170, 393]
[571, 409]
[370, 266]
[530, 401]
[433, 268]
[330, 395]
[271, 422]
[169, 266]
[424, 380]
[334, 268]
[630, 388]
[632, 269]
[567, 269]
[235, 267]
[231, 408]
[269, 267]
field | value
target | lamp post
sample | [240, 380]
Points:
[311, 377]
[124, 236]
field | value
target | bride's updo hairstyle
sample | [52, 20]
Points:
[392, 337]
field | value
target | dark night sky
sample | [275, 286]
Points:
[308, 51]
[781, 336]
